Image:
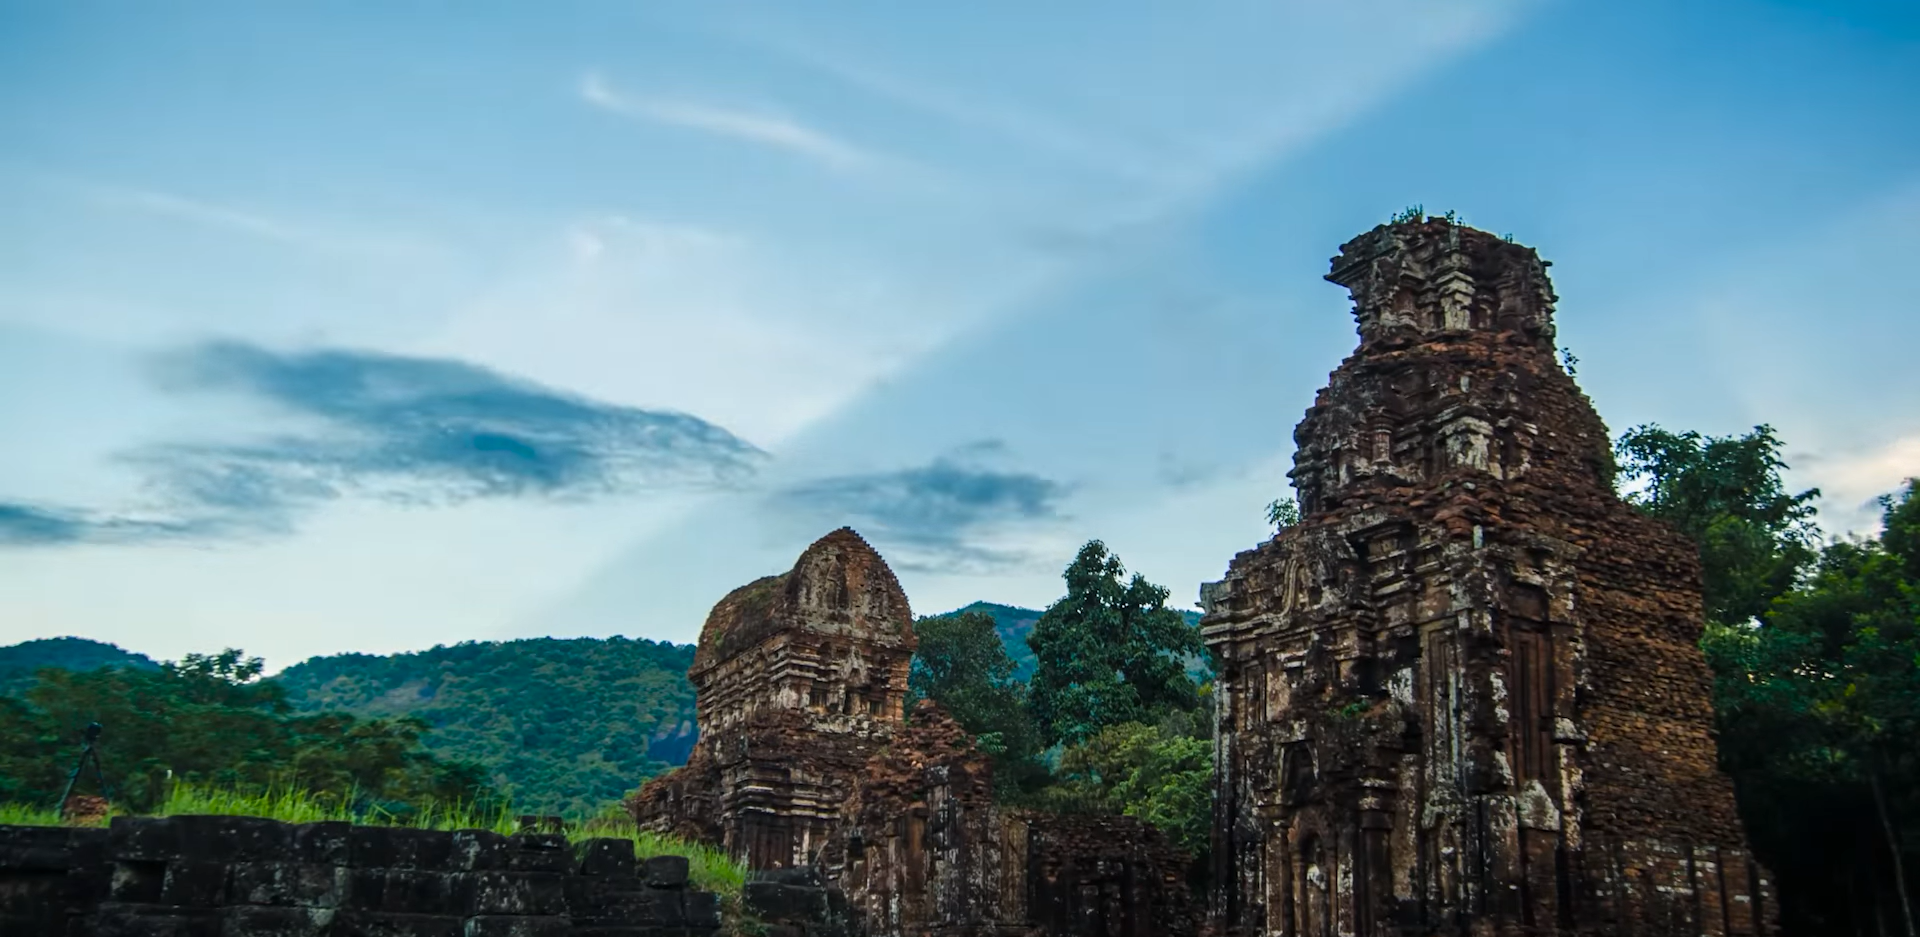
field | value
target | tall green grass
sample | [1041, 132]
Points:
[709, 868]
[27, 815]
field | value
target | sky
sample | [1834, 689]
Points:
[369, 327]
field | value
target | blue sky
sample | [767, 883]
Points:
[331, 327]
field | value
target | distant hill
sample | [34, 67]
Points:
[568, 725]
[1013, 624]
[18, 662]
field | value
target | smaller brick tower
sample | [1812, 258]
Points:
[1464, 695]
[798, 679]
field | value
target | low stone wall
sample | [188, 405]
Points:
[247, 877]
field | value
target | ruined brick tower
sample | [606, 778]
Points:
[1464, 694]
[799, 678]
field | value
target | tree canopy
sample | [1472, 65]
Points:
[1109, 652]
[1816, 665]
[963, 665]
[1726, 493]
[209, 719]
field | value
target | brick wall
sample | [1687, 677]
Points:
[194, 876]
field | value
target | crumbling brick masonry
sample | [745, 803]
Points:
[799, 679]
[1464, 694]
[806, 765]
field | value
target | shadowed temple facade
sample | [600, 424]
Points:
[1464, 694]
[798, 680]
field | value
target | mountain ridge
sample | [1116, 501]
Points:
[565, 724]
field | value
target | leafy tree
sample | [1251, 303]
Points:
[1814, 656]
[211, 719]
[1819, 707]
[1283, 513]
[963, 665]
[1109, 652]
[1151, 772]
[1726, 493]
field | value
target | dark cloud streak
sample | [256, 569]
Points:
[409, 430]
[930, 512]
[26, 525]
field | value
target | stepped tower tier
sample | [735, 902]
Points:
[1464, 695]
[799, 679]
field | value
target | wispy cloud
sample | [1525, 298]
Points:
[1852, 482]
[766, 130]
[938, 517]
[29, 525]
[421, 431]
[1031, 129]
[254, 224]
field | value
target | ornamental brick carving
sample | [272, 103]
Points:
[1464, 694]
[806, 764]
[798, 679]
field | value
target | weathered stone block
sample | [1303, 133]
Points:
[228, 839]
[538, 852]
[479, 850]
[33, 892]
[409, 891]
[605, 857]
[508, 926]
[514, 893]
[775, 902]
[377, 847]
[667, 871]
[35, 848]
[352, 923]
[323, 843]
[703, 909]
[249, 921]
[140, 839]
[190, 883]
[301, 884]
[649, 906]
[115, 919]
[137, 881]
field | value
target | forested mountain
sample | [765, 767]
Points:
[563, 725]
[1013, 624]
[210, 720]
[19, 661]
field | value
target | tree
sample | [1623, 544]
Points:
[962, 664]
[1155, 773]
[1283, 513]
[1814, 658]
[1727, 495]
[1819, 707]
[1108, 652]
[210, 719]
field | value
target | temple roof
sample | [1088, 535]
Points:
[839, 586]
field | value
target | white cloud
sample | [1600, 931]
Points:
[1028, 128]
[1850, 481]
[250, 223]
[690, 318]
[762, 129]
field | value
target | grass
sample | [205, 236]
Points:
[709, 868]
[27, 815]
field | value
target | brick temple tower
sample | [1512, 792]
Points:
[798, 679]
[1464, 695]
